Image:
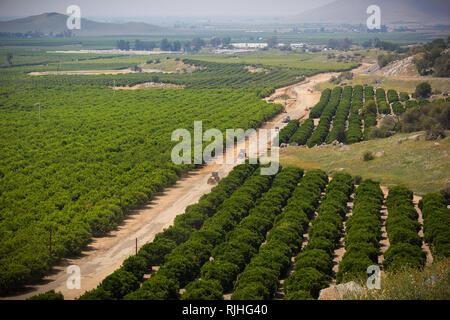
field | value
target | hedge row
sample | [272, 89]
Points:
[402, 228]
[370, 120]
[354, 132]
[152, 253]
[231, 257]
[357, 100]
[362, 232]
[183, 262]
[392, 96]
[398, 108]
[303, 133]
[436, 223]
[313, 267]
[383, 106]
[339, 121]
[368, 93]
[322, 129]
[286, 133]
[317, 110]
[259, 281]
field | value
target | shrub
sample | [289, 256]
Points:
[98, 293]
[307, 279]
[353, 266]
[362, 248]
[49, 295]
[155, 251]
[260, 275]
[203, 290]
[157, 287]
[398, 108]
[321, 243]
[317, 259]
[401, 235]
[135, 265]
[368, 156]
[435, 132]
[404, 254]
[299, 295]
[223, 271]
[181, 268]
[120, 283]
[252, 291]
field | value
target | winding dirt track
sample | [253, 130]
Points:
[104, 255]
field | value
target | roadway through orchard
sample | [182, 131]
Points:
[105, 254]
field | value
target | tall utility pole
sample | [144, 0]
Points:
[50, 241]
[114, 86]
[39, 107]
[136, 246]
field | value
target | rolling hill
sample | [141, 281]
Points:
[392, 11]
[56, 23]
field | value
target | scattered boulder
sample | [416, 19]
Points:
[338, 292]
[345, 147]
[335, 143]
[399, 141]
[380, 154]
[283, 145]
[437, 144]
[415, 137]
[340, 169]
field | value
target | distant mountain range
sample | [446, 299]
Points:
[56, 23]
[392, 11]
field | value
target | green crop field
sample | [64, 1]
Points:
[77, 156]
[93, 155]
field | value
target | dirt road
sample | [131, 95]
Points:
[106, 254]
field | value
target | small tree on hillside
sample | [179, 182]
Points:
[423, 90]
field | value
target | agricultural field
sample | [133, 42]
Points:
[420, 165]
[278, 237]
[400, 84]
[345, 115]
[96, 154]
[93, 154]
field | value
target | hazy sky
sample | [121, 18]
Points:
[161, 7]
